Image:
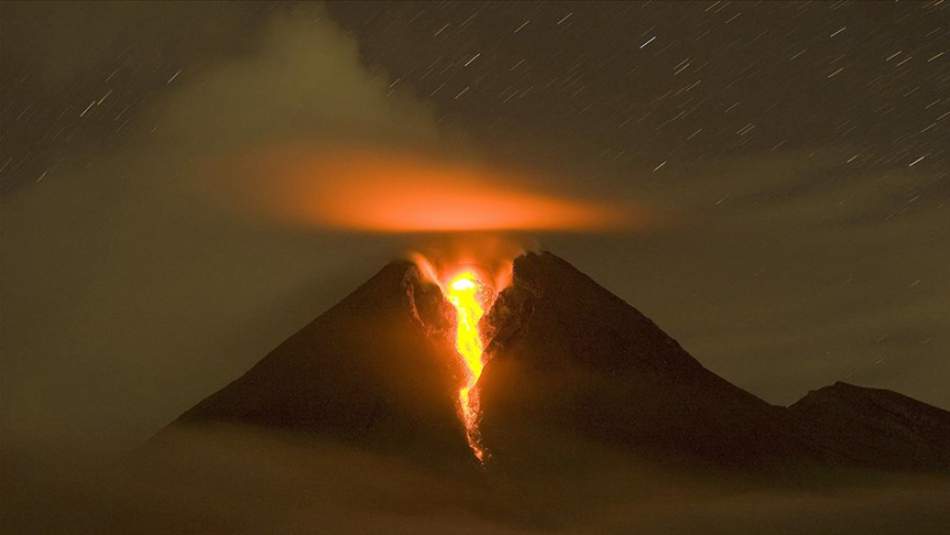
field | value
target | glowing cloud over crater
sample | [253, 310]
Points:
[401, 192]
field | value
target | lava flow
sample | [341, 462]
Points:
[465, 291]
[471, 275]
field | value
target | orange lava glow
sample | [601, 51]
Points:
[471, 273]
[388, 192]
[465, 292]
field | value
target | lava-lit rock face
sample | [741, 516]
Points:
[427, 304]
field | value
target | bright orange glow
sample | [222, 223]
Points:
[439, 257]
[391, 192]
[471, 273]
[465, 292]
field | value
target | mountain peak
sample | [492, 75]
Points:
[877, 427]
[372, 370]
[568, 354]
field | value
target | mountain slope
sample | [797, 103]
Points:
[569, 355]
[376, 369]
[876, 427]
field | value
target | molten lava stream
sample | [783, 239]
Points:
[465, 292]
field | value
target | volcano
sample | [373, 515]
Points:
[567, 363]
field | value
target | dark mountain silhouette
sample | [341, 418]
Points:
[571, 357]
[570, 363]
[876, 427]
[375, 369]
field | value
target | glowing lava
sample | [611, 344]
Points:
[465, 291]
[471, 274]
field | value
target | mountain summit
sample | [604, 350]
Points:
[567, 362]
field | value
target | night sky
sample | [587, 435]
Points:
[793, 157]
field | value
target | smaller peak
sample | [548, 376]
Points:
[843, 387]
[837, 386]
[842, 384]
[833, 388]
[842, 392]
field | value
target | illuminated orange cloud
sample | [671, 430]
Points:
[388, 192]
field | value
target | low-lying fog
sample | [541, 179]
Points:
[242, 481]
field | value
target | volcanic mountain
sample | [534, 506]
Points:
[567, 363]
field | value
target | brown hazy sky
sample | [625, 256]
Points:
[796, 152]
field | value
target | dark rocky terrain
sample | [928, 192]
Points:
[875, 427]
